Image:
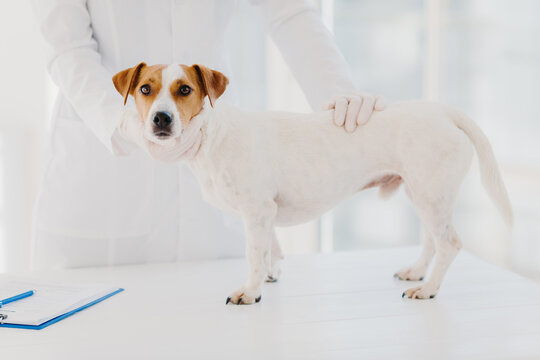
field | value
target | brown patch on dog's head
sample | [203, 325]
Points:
[132, 80]
[213, 82]
[177, 90]
[125, 80]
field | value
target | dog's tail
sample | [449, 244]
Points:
[489, 170]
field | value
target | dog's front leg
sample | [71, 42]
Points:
[275, 261]
[259, 225]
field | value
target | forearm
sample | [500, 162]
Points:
[308, 48]
[74, 64]
[87, 85]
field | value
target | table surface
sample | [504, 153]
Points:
[325, 306]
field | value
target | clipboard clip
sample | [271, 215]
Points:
[2, 318]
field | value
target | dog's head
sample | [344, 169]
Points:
[167, 97]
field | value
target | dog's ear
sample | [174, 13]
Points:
[213, 82]
[125, 80]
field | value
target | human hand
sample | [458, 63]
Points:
[354, 110]
[131, 128]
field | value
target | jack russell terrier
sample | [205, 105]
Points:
[278, 168]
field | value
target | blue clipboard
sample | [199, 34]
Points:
[60, 317]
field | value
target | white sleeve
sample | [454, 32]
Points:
[74, 64]
[308, 48]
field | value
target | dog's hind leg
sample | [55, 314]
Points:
[275, 261]
[447, 246]
[433, 178]
[417, 271]
[434, 205]
[435, 213]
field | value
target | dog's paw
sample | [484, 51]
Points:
[420, 292]
[244, 296]
[411, 274]
[274, 274]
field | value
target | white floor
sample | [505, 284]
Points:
[333, 306]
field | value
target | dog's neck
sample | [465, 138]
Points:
[187, 146]
[211, 123]
[192, 138]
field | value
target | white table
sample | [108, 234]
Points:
[331, 306]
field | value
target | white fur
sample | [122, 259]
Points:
[281, 168]
[165, 102]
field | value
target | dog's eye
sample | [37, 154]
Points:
[146, 90]
[184, 90]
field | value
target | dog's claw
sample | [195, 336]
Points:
[403, 295]
[422, 278]
[396, 276]
[228, 300]
[244, 296]
[431, 296]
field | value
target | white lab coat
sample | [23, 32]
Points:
[95, 208]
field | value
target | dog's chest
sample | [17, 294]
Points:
[219, 190]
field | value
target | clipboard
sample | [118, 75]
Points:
[5, 315]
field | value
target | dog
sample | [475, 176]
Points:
[279, 168]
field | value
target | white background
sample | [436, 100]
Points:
[482, 56]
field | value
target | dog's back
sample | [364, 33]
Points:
[317, 164]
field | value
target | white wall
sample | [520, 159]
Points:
[487, 65]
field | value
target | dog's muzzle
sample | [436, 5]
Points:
[162, 124]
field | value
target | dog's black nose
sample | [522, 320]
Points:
[162, 119]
